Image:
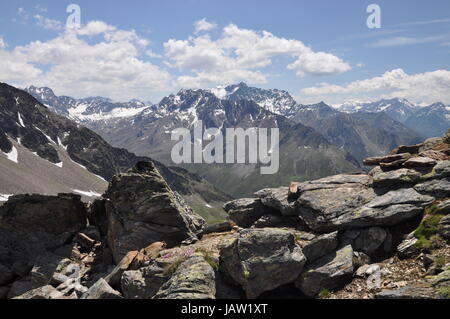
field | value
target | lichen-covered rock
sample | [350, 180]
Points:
[142, 209]
[30, 225]
[193, 279]
[320, 246]
[436, 187]
[329, 272]
[327, 205]
[262, 259]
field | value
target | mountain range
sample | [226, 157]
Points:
[42, 152]
[315, 140]
[429, 121]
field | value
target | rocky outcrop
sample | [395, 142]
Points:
[262, 259]
[142, 209]
[31, 225]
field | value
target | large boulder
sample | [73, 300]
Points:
[329, 272]
[142, 209]
[193, 279]
[327, 205]
[262, 259]
[30, 225]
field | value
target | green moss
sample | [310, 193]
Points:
[209, 258]
[324, 293]
[169, 270]
[440, 261]
[444, 291]
[427, 232]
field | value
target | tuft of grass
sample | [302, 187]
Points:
[209, 258]
[324, 293]
[427, 232]
[169, 270]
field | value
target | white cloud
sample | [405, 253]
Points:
[47, 23]
[3, 44]
[113, 66]
[204, 25]
[239, 54]
[425, 87]
[399, 41]
[319, 63]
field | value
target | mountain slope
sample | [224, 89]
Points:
[361, 134]
[27, 127]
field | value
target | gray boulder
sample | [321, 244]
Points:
[30, 225]
[438, 188]
[262, 259]
[143, 283]
[370, 240]
[142, 209]
[329, 272]
[321, 246]
[193, 279]
[278, 199]
[246, 211]
[6, 275]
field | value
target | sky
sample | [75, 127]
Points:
[316, 50]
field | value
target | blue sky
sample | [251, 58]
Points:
[317, 50]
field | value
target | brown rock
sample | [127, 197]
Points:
[420, 162]
[147, 254]
[412, 149]
[372, 161]
[435, 155]
[114, 276]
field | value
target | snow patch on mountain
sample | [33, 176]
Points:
[13, 155]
